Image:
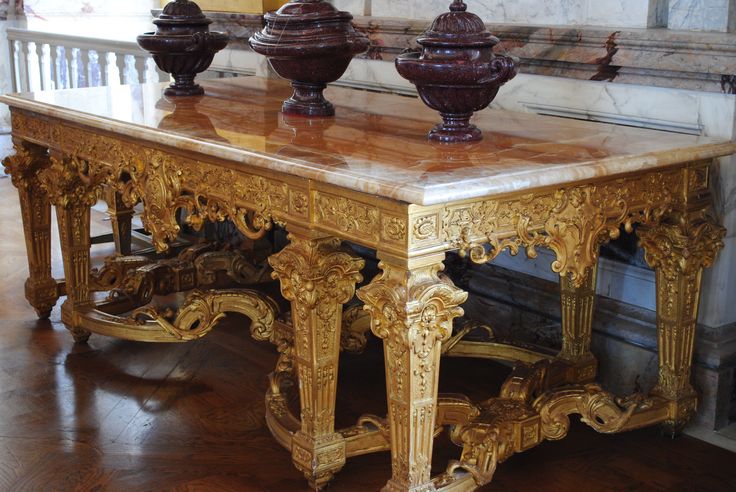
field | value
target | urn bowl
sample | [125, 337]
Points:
[456, 90]
[310, 43]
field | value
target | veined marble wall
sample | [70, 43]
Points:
[691, 15]
[702, 15]
[613, 13]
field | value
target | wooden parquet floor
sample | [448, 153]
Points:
[123, 416]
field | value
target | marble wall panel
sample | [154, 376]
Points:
[615, 13]
[702, 15]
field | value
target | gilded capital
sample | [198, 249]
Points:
[683, 247]
[310, 269]
[68, 182]
[25, 164]
[412, 305]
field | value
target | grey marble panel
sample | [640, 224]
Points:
[702, 15]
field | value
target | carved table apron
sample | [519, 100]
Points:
[369, 177]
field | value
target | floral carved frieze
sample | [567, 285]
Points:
[572, 222]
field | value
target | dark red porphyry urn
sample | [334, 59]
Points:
[456, 72]
[183, 45]
[310, 43]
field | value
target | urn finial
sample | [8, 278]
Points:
[458, 6]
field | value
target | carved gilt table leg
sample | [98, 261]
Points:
[121, 219]
[412, 309]
[318, 277]
[40, 288]
[72, 197]
[578, 304]
[679, 248]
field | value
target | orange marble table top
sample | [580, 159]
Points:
[377, 142]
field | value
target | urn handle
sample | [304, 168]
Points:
[202, 42]
[500, 70]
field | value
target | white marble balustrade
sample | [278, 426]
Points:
[45, 61]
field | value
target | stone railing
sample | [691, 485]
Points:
[43, 60]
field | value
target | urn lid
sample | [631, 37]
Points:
[306, 11]
[181, 13]
[458, 28]
[306, 26]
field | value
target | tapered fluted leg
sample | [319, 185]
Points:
[318, 277]
[41, 289]
[121, 219]
[412, 309]
[72, 197]
[577, 307]
[679, 248]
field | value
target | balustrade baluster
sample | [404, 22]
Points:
[76, 72]
[44, 64]
[84, 70]
[57, 62]
[112, 73]
[140, 68]
[34, 70]
[152, 74]
[121, 65]
[21, 66]
[131, 73]
[98, 65]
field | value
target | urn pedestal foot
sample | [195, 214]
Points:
[308, 100]
[455, 128]
[184, 85]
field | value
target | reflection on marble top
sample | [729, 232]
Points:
[376, 143]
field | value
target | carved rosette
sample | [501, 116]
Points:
[412, 311]
[318, 277]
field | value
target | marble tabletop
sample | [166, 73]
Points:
[376, 143]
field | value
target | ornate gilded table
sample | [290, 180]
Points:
[370, 177]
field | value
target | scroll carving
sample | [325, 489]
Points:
[571, 222]
[201, 312]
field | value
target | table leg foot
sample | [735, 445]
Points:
[318, 459]
[72, 197]
[577, 307]
[318, 276]
[81, 336]
[40, 287]
[679, 248]
[412, 310]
